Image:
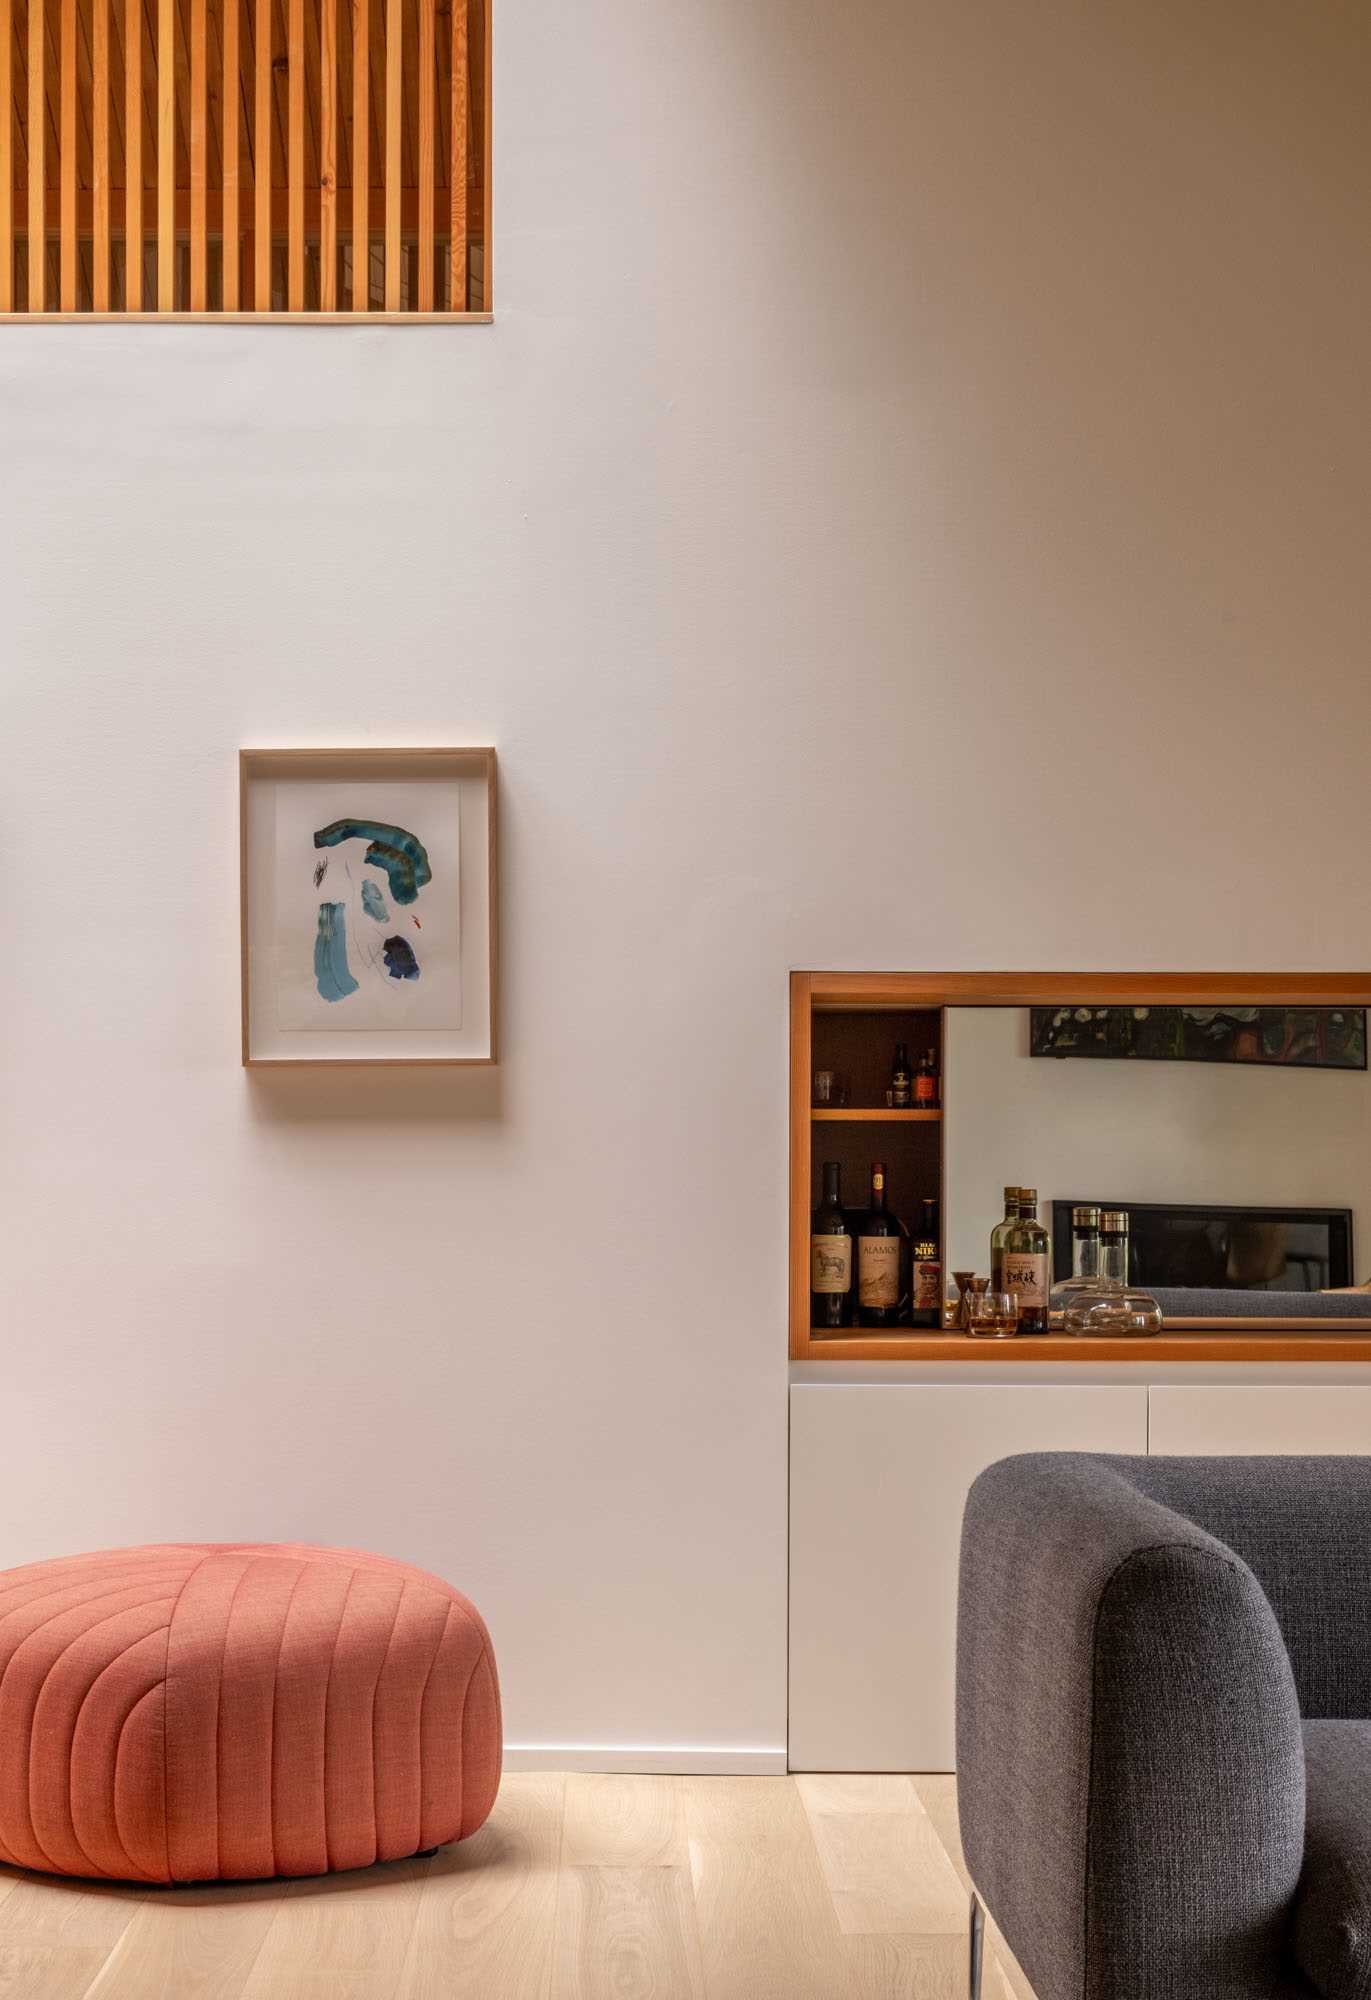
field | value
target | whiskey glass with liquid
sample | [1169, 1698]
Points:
[992, 1315]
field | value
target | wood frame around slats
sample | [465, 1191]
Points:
[6, 158]
[1204, 1340]
[123, 191]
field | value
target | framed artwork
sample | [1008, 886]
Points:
[1271, 1037]
[368, 906]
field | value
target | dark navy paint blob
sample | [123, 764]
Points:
[331, 974]
[401, 854]
[400, 960]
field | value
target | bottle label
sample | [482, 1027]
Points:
[928, 1285]
[830, 1263]
[1026, 1275]
[878, 1271]
[924, 1089]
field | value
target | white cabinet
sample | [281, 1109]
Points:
[879, 1477]
[1223, 1418]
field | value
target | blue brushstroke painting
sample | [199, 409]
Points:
[401, 854]
[374, 903]
[400, 960]
[331, 974]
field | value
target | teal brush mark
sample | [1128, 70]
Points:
[401, 854]
[331, 973]
[374, 903]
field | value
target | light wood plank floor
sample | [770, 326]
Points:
[579, 1888]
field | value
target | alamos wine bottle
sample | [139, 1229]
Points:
[1028, 1264]
[830, 1255]
[879, 1241]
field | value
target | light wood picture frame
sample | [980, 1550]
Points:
[367, 941]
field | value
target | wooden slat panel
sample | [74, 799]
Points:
[295, 158]
[230, 150]
[37, 135]
[99, 126]
[67, 89]
[261, 161]
[394, 60]
[6, 163]
[166, 155]
[328, 155]
[361, 157]
[457, 169]
[133, 156]
[199, 118]
[427, 86]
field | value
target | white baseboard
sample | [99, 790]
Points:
[685, 1759]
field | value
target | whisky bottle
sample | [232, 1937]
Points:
[926, 1082]
[830, 1255]
[879, 1240]
[999, 1236]
[1027, 1264]
[926, 1300]
[901, 1080]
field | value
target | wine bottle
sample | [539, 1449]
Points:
[879, 1240]
[1028, 1264]
[999, 1236]
[830, 1255]
[901, 1079]
[926, 1082]
[927, 1288]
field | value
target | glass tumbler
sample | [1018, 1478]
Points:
[992, 1315]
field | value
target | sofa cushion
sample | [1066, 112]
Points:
[1333, 1904]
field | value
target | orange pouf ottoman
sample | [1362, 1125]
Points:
[199, 1712]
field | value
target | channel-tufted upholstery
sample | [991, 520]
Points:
[191, 1712]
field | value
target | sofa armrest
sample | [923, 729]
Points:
[1130, 1765]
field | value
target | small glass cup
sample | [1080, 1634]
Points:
[992, 1315]
[830, 1089]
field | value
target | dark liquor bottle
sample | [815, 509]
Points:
[880, 1239]
[901, 1079]
[830, 1255]
[1028, 1264]
[927, 1290]
[999, 1236]
[926, 1082]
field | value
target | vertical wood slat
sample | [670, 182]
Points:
[457, 166]
[166, 155]
[38, 126]
[295, 158]
[427, 85]
[99, 132]
[394, 62]
[66, 235]
[6, 162]
[261, 161]
[133, 155]
[328, 155]
[361, 157]
[229, 149]
[199, 148]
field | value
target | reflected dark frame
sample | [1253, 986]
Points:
[1243, 1037]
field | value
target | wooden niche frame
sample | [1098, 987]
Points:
[929, 993]
[266, 1046]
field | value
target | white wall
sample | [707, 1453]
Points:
[1141, 1131]
[922, 445]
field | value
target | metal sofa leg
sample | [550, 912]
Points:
[977, 1949]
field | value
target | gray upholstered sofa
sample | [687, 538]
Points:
[1164, 1723]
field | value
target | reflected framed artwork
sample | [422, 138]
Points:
[368, 906]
